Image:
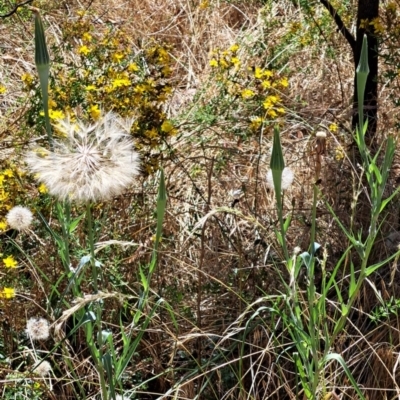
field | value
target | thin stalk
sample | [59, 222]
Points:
[98, 357]
[311, 298]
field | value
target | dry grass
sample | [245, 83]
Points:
[219, 253]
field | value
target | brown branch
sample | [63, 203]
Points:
[339, 23]
[14, 10]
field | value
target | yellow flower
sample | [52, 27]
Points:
[7, 293]
[8, 172]
[339, 153]
[27, 78]
[56, 114]
[284, 82]
[333, 127]
[378, 26]
[268, 73]
[364, 24]
[133, 67]
[204, 4]
[3, 225]
[84, 50]
[118, 57]
[90, 87]
[94, 111]
[151, 134]
[234, 48]
[266, 84]
[119, 82]
[213, 63]
[272, 113]
[9, 262]
[247, 93]
[270, 101]
[167, 127]
[43, 188]
[87, 36]
[235, 61]
[255, 123]
[258, 73]
[2, 89]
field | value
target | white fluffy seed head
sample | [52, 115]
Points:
[19, 218]
[38, 329]
[91, 163]
[287, 179]
[42, 369]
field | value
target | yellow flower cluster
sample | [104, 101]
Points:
[376, 24]
[109, 75]
[7, 293]
[259, 89]
[226, 59]
[10, 190]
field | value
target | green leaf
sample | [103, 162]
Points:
[42, 61]
[107, 363]
[362, 75]
[340, 360]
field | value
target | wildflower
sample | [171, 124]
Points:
[87, 36]
[27, 78]
[284, 82]
[339, 153]
[3, 225]
[38, 328]
[133, 67]
[258, 73]
[119, 82]
[43, 188]
[2, 89]
[118, 57]
[19, 218]
[378, 26]
[84, 50]
[213, 63]
[92, 163]
[255, 123]
[167, 127]
[235, 61]
[7, 293]
[90, 87]
[54, 114]
[234, 48]
[287, 179]
[333, 127]
[247, 93]
[94, 111]
[9, 262]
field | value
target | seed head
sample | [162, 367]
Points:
[91, 163]
[37, 328]
[287, 179]
[19, 218]
[42, 369]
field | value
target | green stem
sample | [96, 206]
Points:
[98, 356]
[312, 305]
